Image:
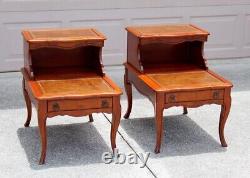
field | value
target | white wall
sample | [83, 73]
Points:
[228, 21]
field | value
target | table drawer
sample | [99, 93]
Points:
[194, 96]
[69, 105]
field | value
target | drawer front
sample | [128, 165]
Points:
[194, 96]
[69, 105]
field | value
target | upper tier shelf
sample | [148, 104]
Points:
[63, 38]
[168, 33]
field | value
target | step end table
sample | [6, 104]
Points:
[166, 64]
[63, 75]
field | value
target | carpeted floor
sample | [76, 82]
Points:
[190, 147]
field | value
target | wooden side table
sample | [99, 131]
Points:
[165, 63]
[63, 75]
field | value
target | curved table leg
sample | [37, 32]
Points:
[91, 118]
[28, 105]
[128, 89]
[116, 117]
[43, 133]
[185, 111]
[225, 109]
[159, 107]
[159, 128]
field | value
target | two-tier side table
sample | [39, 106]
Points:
[63, 75]
[166, 64]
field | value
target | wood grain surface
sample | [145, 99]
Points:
[165, 63]
[63, 75]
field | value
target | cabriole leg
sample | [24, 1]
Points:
[91, 118]
[159, 107]
[43, 132]
[116, 116]
[225, 109]
[159, 128]
[128, 89]
[185, 111]
[28, 105]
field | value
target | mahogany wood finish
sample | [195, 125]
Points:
[63, 75]
[165, 63]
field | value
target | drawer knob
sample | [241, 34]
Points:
[216, 95]
[171, 98]
[105, 104]
[56, 107]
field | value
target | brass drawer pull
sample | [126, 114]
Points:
[56, 107]
[216, 94]
[105, 104]
[172, 98]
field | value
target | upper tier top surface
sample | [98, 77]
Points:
[43, 35]
[166, 30]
